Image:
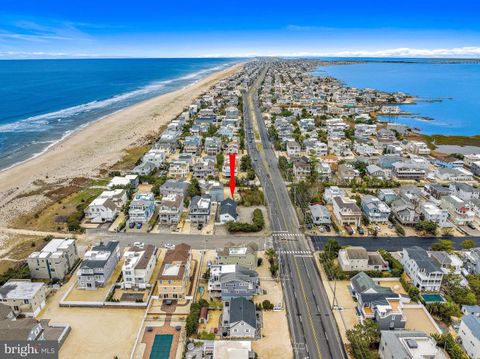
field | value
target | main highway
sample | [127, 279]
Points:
[313, 329]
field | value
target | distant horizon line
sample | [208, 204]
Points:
[237, 57]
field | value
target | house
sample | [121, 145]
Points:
[98, 265]
[454, 174]
[30, 330]
[320, 214]
[54, 261]
[174, 187]
[232, 349]
[469, 333]
[204, 169]
[243, 255]
[475, 168]
[377, 172]
[192, 144]
[331, 192]
[459, 212]
[471, 310]
[24, 296]
[386, 195]
[324, 170]
[347, 172]
[378, 303]
[375, 210]
[448, 162]
[137, 269]
[227, 211]
[214, 189]
[127, 181]
[173, 281]
[408, 170]
[423, 271]
[293, 149]
[358, 259]
[199, 210]
[212, 145]
[239, 318]
[170, 209]
[464, 191]
[437, 191]
[144, 168]
[434, 214]
[142, 208]
[468, 159]
[301, 168]
[408, 344]
[233, 280]
[404, 212]
[471, 261]
[107, 206]
[346, 211]
[418, 148]
[179, 169]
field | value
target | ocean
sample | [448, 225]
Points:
[43, 101]
[449, 91]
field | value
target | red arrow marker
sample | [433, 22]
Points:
[232, 173]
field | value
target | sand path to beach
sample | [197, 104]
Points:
[96, 147]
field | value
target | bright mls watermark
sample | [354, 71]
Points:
[45, 349]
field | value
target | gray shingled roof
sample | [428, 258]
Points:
[241, 309]
[420, 256]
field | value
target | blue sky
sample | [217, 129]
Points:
[156, 28]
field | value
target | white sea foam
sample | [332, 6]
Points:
[41, 123]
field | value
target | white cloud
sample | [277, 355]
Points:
[471, 51]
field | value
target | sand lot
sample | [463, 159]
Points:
[96, 332]
[275, 341]
[418, 319]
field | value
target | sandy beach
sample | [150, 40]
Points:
[93, 148]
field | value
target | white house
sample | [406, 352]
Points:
[469, 332]
[138, 266]
[24, 296]
[107, 206]
[423, 271]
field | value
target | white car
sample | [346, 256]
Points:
[169, 245]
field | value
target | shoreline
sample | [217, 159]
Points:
[97, 145]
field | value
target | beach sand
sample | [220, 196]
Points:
[94, 148]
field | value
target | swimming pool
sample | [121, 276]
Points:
[432, 298]
[161, 346]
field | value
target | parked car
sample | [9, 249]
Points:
[349, 229]
[471, 226]
[360, 231]
[200, 226]
[131, 225]
[139, 225]
[169, 245]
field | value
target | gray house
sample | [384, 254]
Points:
[54, 261]
[239, 318]
[320, 214]
[241, 283]
[174, 187]
[378, 303]
[244, 255]
[408, 344]
[199, 210]
[98, 265]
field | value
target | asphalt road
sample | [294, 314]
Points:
[197, 241]
[313, 329]
[388, 243]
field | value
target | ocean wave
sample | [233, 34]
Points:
[41, 123]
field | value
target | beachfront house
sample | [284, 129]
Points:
[98, 265]
[54, 261]
[107, 206]
[24, 296]
[142, 208]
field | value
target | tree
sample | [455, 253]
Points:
[427, 227]
[363, 337]
[267, 305]
[332, 248]
[220, 160]
[456, 291]
[443, 245]
[468, 244]
[246, 163]
[194, 188]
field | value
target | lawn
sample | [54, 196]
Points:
[54, 216]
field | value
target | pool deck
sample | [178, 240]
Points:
[149, 338]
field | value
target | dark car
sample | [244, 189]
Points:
[360, 231]
[200, 226]
[349, 229]
[131, 225]
[327, 228]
